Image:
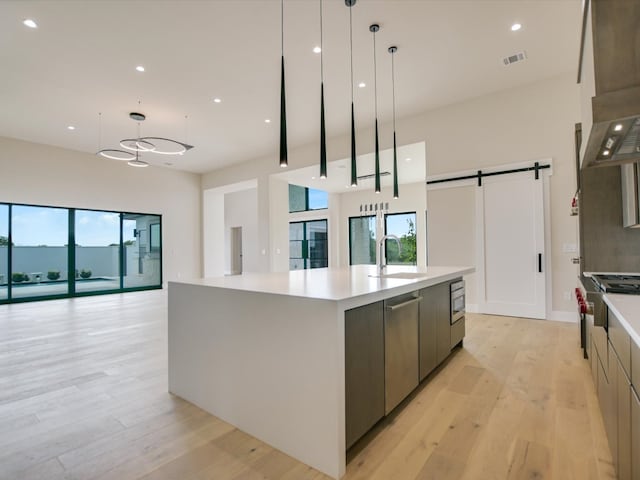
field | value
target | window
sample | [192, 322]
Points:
[4, 251]
[402, 225]
[40, 237]
[53, 252]
[154, 237]
[308, 245]
[141, 265]
[97, 262]
[303, 199]
[362, 240]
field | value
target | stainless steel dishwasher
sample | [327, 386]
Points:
[401, 361]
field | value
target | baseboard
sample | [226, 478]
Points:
[560, 316]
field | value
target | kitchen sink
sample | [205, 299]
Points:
[404, 275]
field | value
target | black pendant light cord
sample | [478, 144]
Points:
[392, 51]
[321, 47]
[393, 85]
[354, 168]
[283, 110]
[374, 28]
[351, 50]
[323, 136]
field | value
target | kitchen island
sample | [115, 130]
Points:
[266, 352]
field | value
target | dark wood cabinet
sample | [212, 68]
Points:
[635, 435]
[364, 369]
[615, 363]
[620, 341]
[607, 398]
[623, 398]
[435, 327]
[371, 364]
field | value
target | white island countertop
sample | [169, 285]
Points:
[627, 309]
[335, 283]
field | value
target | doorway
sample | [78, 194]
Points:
[236, 250]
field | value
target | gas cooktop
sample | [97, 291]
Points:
[614, 283]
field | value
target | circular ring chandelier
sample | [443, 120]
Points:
[134, 146]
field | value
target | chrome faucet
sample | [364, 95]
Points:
[382, 264]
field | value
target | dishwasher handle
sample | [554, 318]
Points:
[403, 304]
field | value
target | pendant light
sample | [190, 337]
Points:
[283, 110]
[374, 29]
[354, 170]
[323, 136]
[392, 51]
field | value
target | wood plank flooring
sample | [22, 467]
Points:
[83, 395]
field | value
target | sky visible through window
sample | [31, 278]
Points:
[34, 226]
[397, 224]
[318, 199]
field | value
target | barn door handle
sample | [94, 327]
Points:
[539, 263]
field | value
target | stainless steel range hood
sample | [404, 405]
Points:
[615, 134]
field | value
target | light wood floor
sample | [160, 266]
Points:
[83, 395]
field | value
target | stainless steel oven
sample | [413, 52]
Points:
[457, 301]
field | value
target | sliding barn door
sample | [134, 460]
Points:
[510, 246]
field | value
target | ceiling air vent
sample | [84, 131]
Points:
[516, 57]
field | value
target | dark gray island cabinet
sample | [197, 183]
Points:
[390, 347]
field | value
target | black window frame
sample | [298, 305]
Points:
[71, 256]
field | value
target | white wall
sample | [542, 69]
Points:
[44, 175]
[451, 233]
[528, 123]
[241, 210]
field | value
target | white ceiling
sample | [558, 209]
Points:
[82, 58]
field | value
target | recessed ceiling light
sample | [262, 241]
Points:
[267, 120]
[313, 178]
[618, 127]
[317, 49]
[30, 23]
[217, 100]
[515, 27]
[407, 159]
[71, 127]
[362, 84]
[606, 152]
[140, 68]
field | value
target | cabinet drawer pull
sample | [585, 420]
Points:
[403, 304]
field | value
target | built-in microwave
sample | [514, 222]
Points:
[457, 301]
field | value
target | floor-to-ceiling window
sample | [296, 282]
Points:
[4, 251]
[40, 251]
[403, 226]
[141, 250]
[52, 252]
[97, 262]
[308, 245]
[362, 240]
